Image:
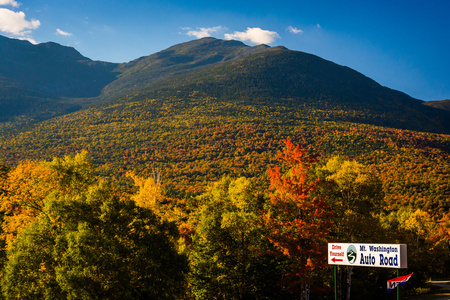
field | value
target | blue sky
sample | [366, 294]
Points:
[404, 45]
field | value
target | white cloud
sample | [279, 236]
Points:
[294, 30]
[60, 32]
[254, 35]
[30, 39]
[15, 23]
[318, 26]
[202, 32]
[13, 3]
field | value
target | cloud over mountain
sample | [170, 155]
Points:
[64, 33]
[16, 23]
[202, 32]
[254, 35]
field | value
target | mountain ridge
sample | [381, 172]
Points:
[175, 60]
[62, 79]
[306, 79]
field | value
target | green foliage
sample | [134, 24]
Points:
[91, 243]
[94, 245]
[354, 194]
[228, 256]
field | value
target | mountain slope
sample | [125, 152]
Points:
[230, 117]
[53, 69]
[442, 104]
[35, 79]
[279, 76]
[22, 104]
[178, 59]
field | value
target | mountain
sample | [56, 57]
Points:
[45, 80]
[208, 107]
[41, 81]
[53, 69]
[278, 75]
[178, 59]
[35, 79]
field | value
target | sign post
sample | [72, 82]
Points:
[367, 255]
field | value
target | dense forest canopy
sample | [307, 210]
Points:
[240, 238]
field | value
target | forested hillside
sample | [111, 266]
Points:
[442, 104]
[198, 139]
[206, 143]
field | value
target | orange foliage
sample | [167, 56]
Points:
[298, 222]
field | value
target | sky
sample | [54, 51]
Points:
[404, 45]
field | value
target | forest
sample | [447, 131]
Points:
[69, 232]
[213, 170]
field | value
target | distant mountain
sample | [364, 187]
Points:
[35, 78]
[53, 69]
[278, 76]
[178, 59]
[41, 81]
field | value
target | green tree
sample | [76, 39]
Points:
[428, 241]
[229, 259]
[93, 245]
[31, 182]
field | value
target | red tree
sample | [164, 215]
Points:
[298, 222]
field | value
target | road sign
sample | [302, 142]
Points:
[368, 255]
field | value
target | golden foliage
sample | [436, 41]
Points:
[27, 186]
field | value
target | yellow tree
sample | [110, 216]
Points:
[150, 195]
[27, 186]
[31, 182]
[354, 193]
[428, 239]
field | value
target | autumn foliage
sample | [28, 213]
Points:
[297, 220]
[246, 237]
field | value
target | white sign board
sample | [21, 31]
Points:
[368, 255]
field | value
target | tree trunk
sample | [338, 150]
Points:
[349, 281]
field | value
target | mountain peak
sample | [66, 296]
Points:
[60, 52]
[52, 68]
[178, 59]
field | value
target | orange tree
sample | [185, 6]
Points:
[298, 221]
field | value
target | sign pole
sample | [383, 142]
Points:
[398, 286]
[335, 283]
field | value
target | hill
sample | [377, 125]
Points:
[442, 104]
[279, 74]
